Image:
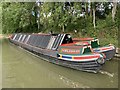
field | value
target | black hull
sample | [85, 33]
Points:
[83, 66]
[89, 66]
[110, 54]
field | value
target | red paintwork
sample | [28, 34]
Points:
[82, 39]
[106, 48]
[86, 57]
[75, 43]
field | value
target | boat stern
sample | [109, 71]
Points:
[109, 51]
[81, 58]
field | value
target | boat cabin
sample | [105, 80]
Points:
[73, 49]
[93, 41]
[44, 41]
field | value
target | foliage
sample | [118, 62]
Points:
[16, 16]
[61, 17]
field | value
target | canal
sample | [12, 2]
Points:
[21, 69]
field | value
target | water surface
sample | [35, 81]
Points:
[21, 69]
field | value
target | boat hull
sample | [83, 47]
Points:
[109, 54]
[46, 47]
[89, 66]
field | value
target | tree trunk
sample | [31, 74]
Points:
[63, 29]
[94, 17]
[86, 8]
[114, 10]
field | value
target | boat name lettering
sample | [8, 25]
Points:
[70, 51]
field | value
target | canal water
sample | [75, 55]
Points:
[21, 69]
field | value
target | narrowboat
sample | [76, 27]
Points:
[60, 49]
[108, 50]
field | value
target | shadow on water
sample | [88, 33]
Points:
[22, 69]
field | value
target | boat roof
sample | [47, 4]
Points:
[76, 44]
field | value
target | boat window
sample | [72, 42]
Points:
[94, 44]
[87, 50]
[67, 39]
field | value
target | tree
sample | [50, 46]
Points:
[94, 10]
[114, 10]
[16, 15]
